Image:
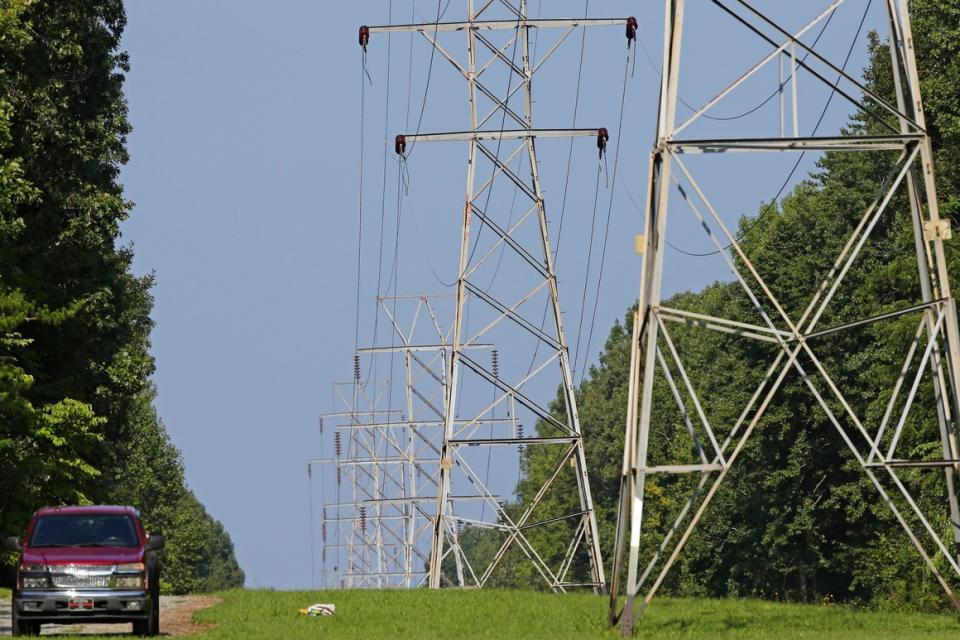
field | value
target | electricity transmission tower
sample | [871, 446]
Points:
[389, 458]
[419, 338]
[933, 356]
[487, 405]
[367, 526]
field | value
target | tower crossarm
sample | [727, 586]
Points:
[515, 134]
[418, 347]
[813, 143]
[491, 25]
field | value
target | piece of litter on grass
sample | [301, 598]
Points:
[319, 610]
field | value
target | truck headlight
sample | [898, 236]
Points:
[33, 576]
[129, 576]
[35, 583]
[128, 582]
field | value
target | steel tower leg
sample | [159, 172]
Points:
[450, 406]
[570, 400]
[945, 411]
[638, 427]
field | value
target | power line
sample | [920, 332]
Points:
[612, 191]
[606, 231]
[766, 100]
[573, 125]
[586, 272]
[773, 202]
[383, 193]
[493, 171]
[426, 86]
[566, 181]
[363, 102]
[496, 271]
[486, 203]
[313, 542]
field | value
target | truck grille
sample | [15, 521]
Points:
[82, 576]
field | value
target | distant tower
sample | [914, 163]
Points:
[363, 525]
[386, 459]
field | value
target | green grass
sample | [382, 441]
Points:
[4, 593]
[374, 615]
[468, 615]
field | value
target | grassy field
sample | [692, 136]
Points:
[372, 615]
[423, 615]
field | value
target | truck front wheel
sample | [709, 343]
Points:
[151, 626]
[21, 627]
[147, 627]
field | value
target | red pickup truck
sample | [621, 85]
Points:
[86, 564]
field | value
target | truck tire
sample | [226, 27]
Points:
[154, 623]
[151, 625]
[146, 627]
[21, 627]
[156, 595]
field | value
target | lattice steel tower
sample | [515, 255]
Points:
[363, 531]
[379, 531]
[487, 405]
[934, 354]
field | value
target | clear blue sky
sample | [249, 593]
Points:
[245, 174]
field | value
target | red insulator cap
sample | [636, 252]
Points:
[364, 35]
[602, 137]
[632, 28]
[400, 144]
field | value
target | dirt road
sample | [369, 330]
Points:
[176, 613]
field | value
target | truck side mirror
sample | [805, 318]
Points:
[13, 544]
[155, 542]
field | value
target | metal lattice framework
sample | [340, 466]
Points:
[425, 348]
[421, 421]
[935, 351]
[367, 526]
[486, 405]
[389, 458]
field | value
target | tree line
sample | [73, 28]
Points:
[796, 519]
[77, 421]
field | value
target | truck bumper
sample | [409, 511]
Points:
[80, 606]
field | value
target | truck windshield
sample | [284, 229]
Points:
[86, 530]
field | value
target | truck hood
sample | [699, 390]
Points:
[82, 555]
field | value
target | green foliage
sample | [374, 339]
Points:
[76, 425]
[199, 554]
[46, 443]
